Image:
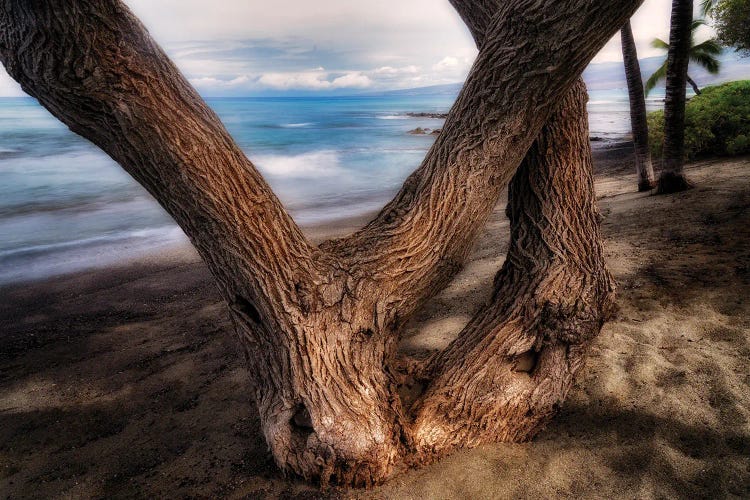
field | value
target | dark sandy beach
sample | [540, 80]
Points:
[127, 382]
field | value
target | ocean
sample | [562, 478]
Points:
[65, 206]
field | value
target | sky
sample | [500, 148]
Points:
[257, 47]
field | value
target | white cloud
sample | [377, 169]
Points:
[314, 80]
[210, 82]
[448, 63]
[453, 68]
[238, 47]
[390, 70]
[352, 81]
[297, 81]
[8, 86]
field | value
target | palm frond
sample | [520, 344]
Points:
[711, 46]
[697, 23]
[658, 43]
[706, 61]
[701, 54]
[707, 7]
[658, 75]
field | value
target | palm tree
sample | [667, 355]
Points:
[703, 54]
[672, 177]
[638, 122]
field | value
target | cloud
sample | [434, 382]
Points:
[296, 81]
[352, 81]
[454, 68]
[314, 80]
[244, 47]
[447, 63]
[8, 86]
[208, 82]
[390, 70]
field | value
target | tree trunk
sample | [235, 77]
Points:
[511, 367]
[692, 83]
[638, 121]
[672, 178]
[319, 324]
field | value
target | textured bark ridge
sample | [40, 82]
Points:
[511, 367]
[319, 324]
[638, 120]
[672, 178]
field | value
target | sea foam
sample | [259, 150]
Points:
[324, 163]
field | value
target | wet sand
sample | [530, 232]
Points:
[128, 382]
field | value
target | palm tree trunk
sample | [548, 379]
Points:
[672, 178]
[694, 85]
[638, 123]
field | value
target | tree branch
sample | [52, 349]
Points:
[506, 374]
[94, 66]
[530, 57]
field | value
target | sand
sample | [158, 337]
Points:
[128, 382]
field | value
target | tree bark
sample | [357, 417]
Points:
[511, 367]
[532, 54]
[638, 122]
[672, 178]
[692, 83]
[318, 324]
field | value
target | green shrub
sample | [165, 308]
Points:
[717, 122]
[738, 145]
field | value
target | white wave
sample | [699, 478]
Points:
[44, 261]
[296, 125]
[392, 117]
[154, 235]
[324, 163]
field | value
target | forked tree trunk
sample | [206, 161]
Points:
[319, 324]
[672, 178]
[638, 122]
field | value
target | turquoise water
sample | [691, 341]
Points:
[65, 206]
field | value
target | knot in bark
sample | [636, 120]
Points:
[569, 323]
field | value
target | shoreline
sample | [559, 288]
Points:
[183, 253]
[605, 153]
